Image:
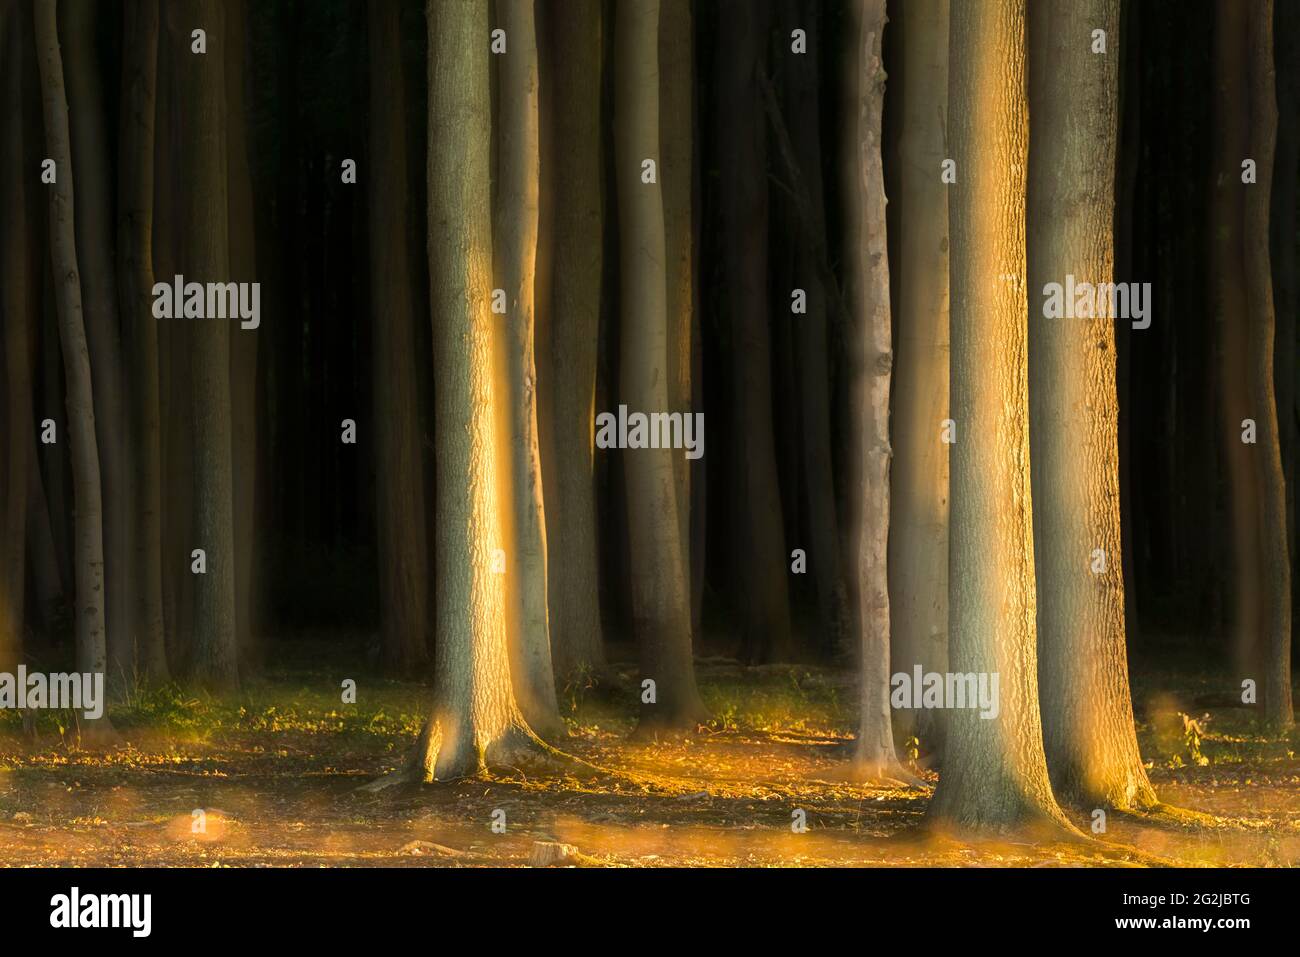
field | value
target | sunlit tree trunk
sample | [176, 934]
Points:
[89, 537]
[1088, 729]
[576, 264]
[660, 600]
[1261, 324]
[17, 311]
[135, 286]
[474, 718]
[918, 518]
[515, 265]
[759, 562]
[399, 479]
[93, 171]
[994, 769]
[874, 756]
[204, 219]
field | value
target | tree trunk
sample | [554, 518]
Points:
[135, 286]
[994, 769]
[874, 756]
[1088, 729]
[1283, 225]
[574, 582]
[676, 145]
[243, 342]
[17, 315]
[474, 718]
[661, 609]
[759, 561]
[918, 519]
[89, 539]
[403, 547]
[204, 224]
[515, 259]
[92, 171]
[1228, 298]
[1261, 322]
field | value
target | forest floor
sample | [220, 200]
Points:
[275, 773]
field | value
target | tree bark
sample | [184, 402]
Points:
[135, 286]
[1088, 729]
[243, 343]
[994, 769]
[1227, 278]
[403, 547]
[1261, 323]
[515, 264]
[17, 313]
[89, 539]
[918, 518]
[677, 143]
[92, 171]
[474, 718]
[577, 263]
[205, 226]
[874, 756]
[661, 608]
[759, 561]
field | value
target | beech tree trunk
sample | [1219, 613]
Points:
[1261, 323]
[874, 756]
[1088, 730]
[759, 561]
[135, 286]
[994, 768]
[515, 265]
[93, 171]
[17, 312]
[474, 718]
[918, 518]
[576, 267]
[204, 221]
[403, 547]
[661, 608]
[92, 654]
[243, 342]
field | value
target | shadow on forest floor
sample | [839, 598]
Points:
[269, 778]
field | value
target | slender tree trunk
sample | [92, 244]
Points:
[1261, 323]
[874, 756]
[661, 609]
[1088, 729]
[1283, 225]
[577, 264]
[677, 144]
[759, 561]
[403, 547]
[994, 768]
[474, 718]
[17, 311]
[918, 519]
[92, 170]
[204, 218]
[1228, 297]
[515, 259]
[809, 337]
[91, 645]
[243, 342]
[135, 286]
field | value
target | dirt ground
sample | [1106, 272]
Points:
[271, 778]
